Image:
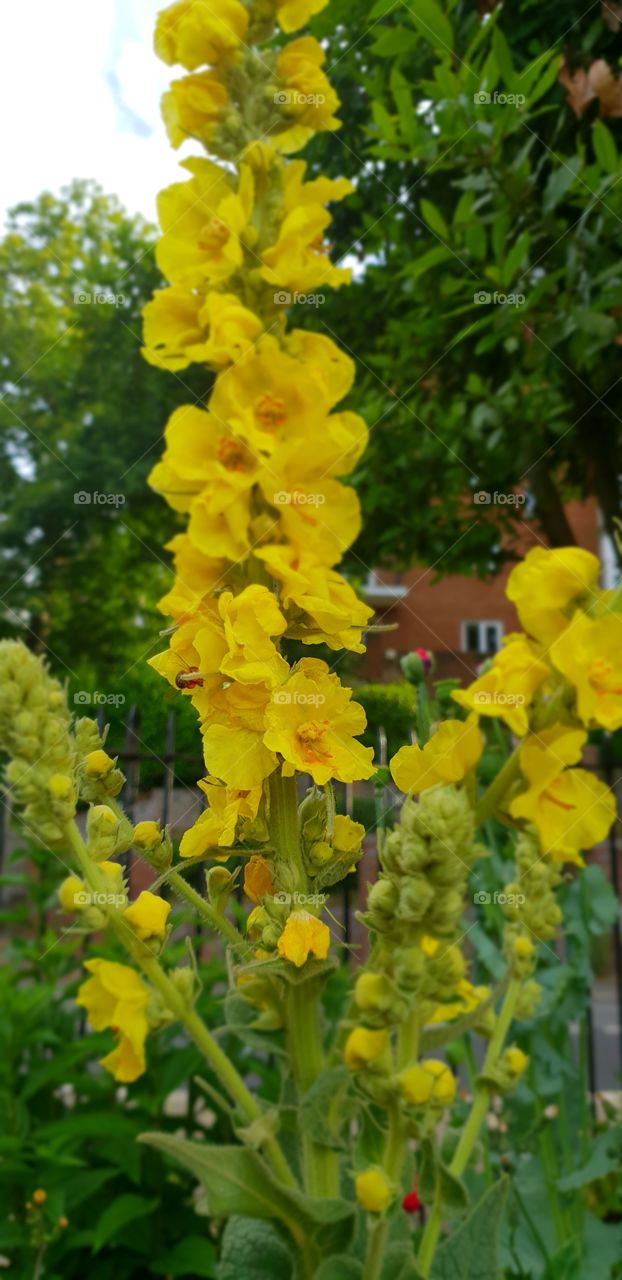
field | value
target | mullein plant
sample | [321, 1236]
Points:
[258, 472]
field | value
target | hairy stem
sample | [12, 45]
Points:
[211, 1050]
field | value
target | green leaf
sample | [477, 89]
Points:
[515, 258]
[193, 1256]
[434, 218]
[605, 148]
[118, 1214]
[503, 57]
[392, 41]
[329, 1088]
[340, 1268]
[426, 261]
[254, 1250]
[238, 1181]
[430, 20]
[560, 181]
[606, 1155]
[470, 1252]
[432, 1171]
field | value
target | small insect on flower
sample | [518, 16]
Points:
[191, 678]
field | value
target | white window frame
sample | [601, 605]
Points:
[481, 624]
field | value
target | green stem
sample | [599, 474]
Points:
[392, 1166]
[470, 1132]
[211, 1050]
[205, 909]
[283, 822]
[320, 1163]
[493, 795]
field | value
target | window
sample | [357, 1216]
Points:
[481, 636]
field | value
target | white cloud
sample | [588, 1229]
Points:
[79, 98]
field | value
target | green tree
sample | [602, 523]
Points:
[480, 173]
[81, 413]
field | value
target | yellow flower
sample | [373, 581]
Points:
[148, 915]
[197, 578]
[317, 514]
[117, 997]
[250, 620]
[589, 654]
[192, 106]
[464, 999]
[514, 1060]
[364, 1046]
[428, 1081]
[233, 730]
[72, 894]
[306, 97]
[373, 1190]
[202, 221]
[39, 1196]
[303, 935]
[507, 689]
[348, 835]
[298, 259]
[181, 327]
[570, 808]
[257, 878]
[448, 756]
[322, 607]
[146, 835]
[545, 583]
[97, 764]
[293, 14]
[216, 826]
[311, 721]
[195, 32]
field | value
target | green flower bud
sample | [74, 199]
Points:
[106, 834]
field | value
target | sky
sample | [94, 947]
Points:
[79, 98]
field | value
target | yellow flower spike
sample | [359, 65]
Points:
[589, 654]
[373, 1190]
[364, 1046]
[303, 936]
[72, 894]
[507, 689]
[570, 808]
[97, 764]
[148, 915]
[451, 753]
[428, 1081]
[115, 996]
[546, 583]
[196, 32]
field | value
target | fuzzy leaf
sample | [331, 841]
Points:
[470, 1252]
